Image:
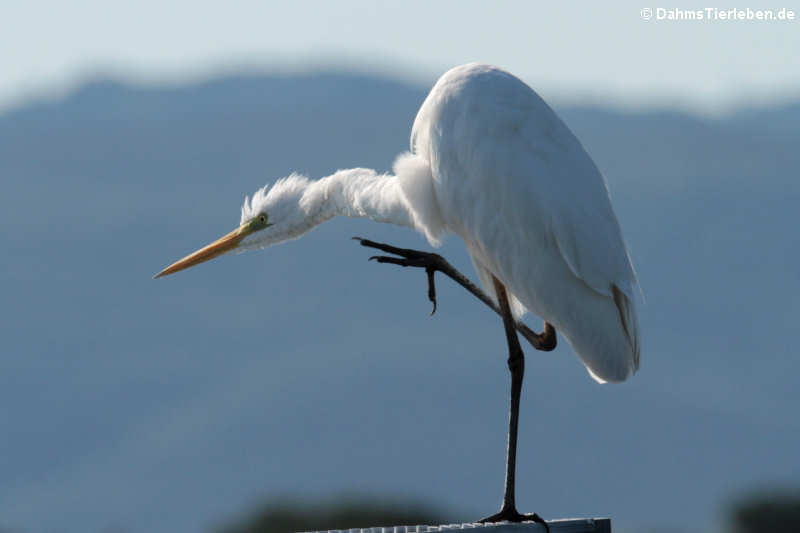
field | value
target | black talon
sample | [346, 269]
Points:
[431, 288]
[511, 515]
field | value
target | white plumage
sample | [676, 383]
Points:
[517, 186]
[492, 163]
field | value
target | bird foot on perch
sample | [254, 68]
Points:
[431, 262]
[510, 514]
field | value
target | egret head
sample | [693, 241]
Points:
[273, 214]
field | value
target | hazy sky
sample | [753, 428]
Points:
[564, 50]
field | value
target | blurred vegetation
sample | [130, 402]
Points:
[766, 512]
[773, 511]
[289, 516]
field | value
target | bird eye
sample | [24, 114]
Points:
[259, 222]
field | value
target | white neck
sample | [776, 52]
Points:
[295, 205]
[358, 193]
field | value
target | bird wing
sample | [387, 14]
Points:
[533, 209]
[503, 153]
[575, 199]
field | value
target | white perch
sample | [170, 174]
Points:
[570, 525]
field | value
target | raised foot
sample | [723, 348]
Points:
[511, 515]
[411, 258]
[545, 341]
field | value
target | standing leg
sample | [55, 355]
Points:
[544, 341]
[516, 364]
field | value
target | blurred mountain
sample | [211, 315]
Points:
[140, 405]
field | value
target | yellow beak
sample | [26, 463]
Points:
[216, 248]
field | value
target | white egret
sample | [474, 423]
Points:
[491, 162]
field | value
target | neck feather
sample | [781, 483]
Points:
[359, 193]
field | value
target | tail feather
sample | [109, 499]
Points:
[627, 315]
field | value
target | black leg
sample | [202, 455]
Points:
[545, 341]
[516, 364]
